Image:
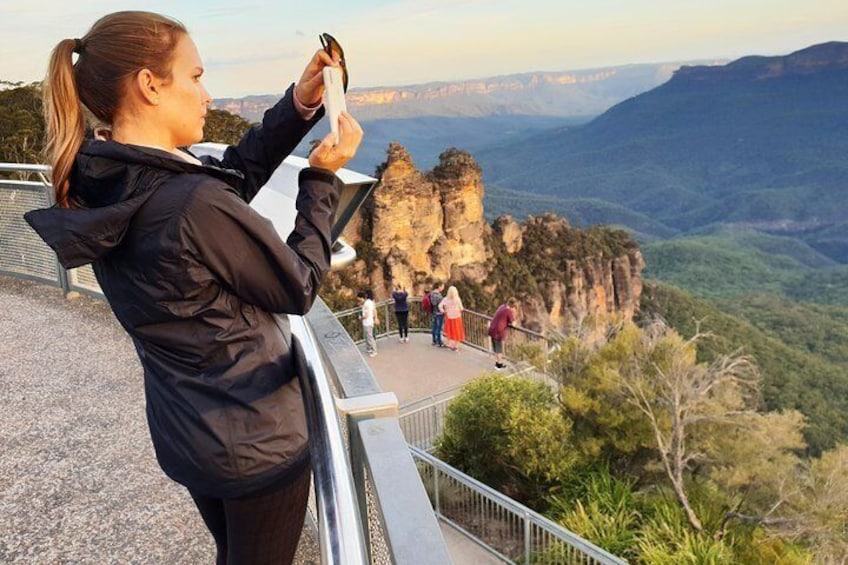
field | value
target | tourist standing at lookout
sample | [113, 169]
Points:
[193, 274]
[369, 319]
[451, 308]
[435, 297]
[503, 319]
[400, 295]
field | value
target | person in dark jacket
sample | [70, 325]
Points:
[400, 295]
[193, 274]
[438, 317]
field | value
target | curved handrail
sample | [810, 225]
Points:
[342, 540]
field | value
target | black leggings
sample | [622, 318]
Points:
[403, 323]
[262, 529]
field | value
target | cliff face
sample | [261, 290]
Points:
[570, 93]
[420, 227]
[428, 226]
[599, 283]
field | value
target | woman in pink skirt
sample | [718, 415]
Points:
[451, 307]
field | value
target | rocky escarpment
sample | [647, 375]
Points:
[422, 227]
[425, 226]
[831, 56]
[574, 275]
[568, 93]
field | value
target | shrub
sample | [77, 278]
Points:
[604, 511]
[509, 434]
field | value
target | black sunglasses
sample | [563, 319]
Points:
[332, 47]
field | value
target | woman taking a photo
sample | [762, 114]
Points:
[192, 273]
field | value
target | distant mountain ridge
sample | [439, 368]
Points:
[568, 93]
[817, 58]
[473, 114]
[759, 142]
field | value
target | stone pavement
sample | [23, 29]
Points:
[78, 479]
[79, 482]
[416, 370]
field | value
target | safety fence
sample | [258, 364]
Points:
[476, 327]
[503, 527]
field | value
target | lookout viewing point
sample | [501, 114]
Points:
[79, 480]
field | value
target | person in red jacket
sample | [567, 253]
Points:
[503, 318]
[194, 275]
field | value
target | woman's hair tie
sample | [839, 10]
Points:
[78, 46]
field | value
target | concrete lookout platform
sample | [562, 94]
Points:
[79, 482]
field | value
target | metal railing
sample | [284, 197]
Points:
[500, 525]
[22, 253]
[422, 421]
[503, 527]
[476, 327]
[356, 493]
[342, 540]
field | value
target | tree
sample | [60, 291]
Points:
[821, 510]
[224, 127]
[21, 125]
[681, 397]
[606, 426]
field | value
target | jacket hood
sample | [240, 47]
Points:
[109, 183]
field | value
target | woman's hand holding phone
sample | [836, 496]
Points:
[310, 87]
[332, 155]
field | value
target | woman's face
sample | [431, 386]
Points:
[184, 99]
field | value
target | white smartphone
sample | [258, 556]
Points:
[334, 99]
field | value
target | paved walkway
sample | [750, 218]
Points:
[78, 479]
[416, 370]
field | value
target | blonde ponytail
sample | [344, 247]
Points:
[64, 118]
[116, 47]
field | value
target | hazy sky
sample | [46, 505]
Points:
[260, 46]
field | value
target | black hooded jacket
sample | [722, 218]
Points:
[195, 275]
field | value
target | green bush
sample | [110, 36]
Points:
[509, 434]
[666, 539]
[604, 511]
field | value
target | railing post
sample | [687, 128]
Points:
[412, 530]
[62, 274]
[434, 431]
[356, 410]
[64, 281]
[437, 500]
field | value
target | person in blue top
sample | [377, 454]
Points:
[399, 294]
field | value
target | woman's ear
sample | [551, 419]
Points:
[147, 86]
